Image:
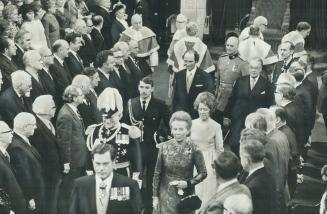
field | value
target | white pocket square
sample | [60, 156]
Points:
[263, 92]
[198, 85]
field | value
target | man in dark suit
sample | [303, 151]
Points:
[70, 135]
[286, 50]
[59, 69]
[140, 62]
[119, 76]
[101, 8]
[7, 66]
[8, 181]
[33, 64]
[16, 98]
[100, 193]
[45, 142]
[249, 93]
[148, 113]
[96, 34]
[189, 83]
[92, 96]
[226, 166]
[45, 77]
[74, 61]
[260, 183]
[87, 51]
[23, 44]
[26, 162]
[89, 117]
[104, 62]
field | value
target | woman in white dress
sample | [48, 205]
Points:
[34, 27]
[207, 134]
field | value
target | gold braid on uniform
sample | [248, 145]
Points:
[135, 122]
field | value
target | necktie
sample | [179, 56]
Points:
[102, 192]
[143, 105]
[188, 80]
[252, 83]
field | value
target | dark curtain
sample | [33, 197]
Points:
[314, 12]
[226, 15]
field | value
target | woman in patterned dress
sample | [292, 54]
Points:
[207, 135]
[173, 178]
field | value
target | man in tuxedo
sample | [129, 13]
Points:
[149, 114]
[286, 51]
[8, 181]
[260, 183]
[59, 69]
[227, 166]
[26, 162]
[96, 34]
[33, 65]
[45, 142]
[102, 8]
[74, 61]
[100, 193]
[249, 93]
[84, 83]
[16, 98]
[23, 44]
[45, 76]
[104, 62]
[92, 96]
[7, 66]
[72, 146]
[87, 51]
[189, 83]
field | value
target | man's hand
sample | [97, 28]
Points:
[89, 172]
[66, 168]
[31, 204]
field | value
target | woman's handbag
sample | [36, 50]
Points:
[189, 203]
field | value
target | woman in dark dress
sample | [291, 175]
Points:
[173, 177]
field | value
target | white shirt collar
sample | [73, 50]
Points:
[192, 71]
[226, 184]
[255, 169]
[108, 182]
[20, 47]
[123, 22]
[24, 138]
[147, 101]
[73, 108]
[60, 60]
[18, 94]
[3, 151]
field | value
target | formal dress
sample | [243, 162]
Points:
[149, 121]
[36, 29]
[262, 188]
[45, 142]
[128, 159]
[10, 185]
[51, 27]
[209, 138]
[84, 196]
[184, 97]
[176, 162]
[26, 162]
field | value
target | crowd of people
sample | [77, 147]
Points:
[82, 133]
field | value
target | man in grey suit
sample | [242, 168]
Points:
[72, 145]
[227, 166]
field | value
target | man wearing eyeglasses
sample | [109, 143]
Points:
[8, 181]
[26, 162]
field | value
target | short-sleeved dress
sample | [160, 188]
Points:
[176, 161]
[207, 135]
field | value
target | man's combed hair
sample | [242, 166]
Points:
[254, 148]
[102, 148]
[227, 165]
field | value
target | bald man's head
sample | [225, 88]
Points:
[232, 45]
[136, 21]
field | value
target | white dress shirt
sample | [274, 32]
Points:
[59, 60]
[255, 169]
[102, 204]
[104, 73]
[147, 101]
[24, 138]
[189, 78]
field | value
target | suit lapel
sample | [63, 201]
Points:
[254, 175]
[137, 108]
[92, 191]
[30, 148]
[18, 100]
[43, 126]
[194, 81]
[258, 86]
[75, 116]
